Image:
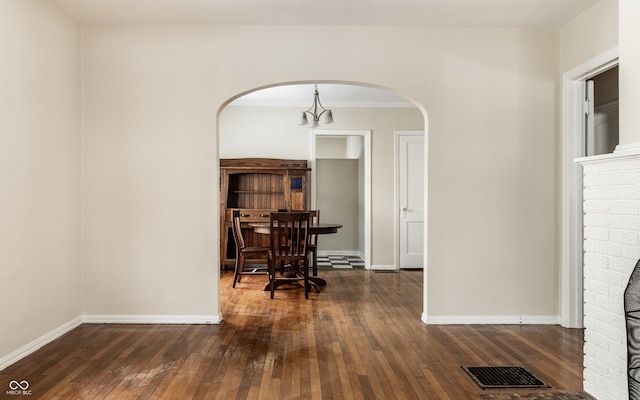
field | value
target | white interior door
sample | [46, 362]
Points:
[411, 199]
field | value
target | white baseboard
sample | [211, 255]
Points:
[153, 319]
[385, 268]
[38, 343]
[491, 320]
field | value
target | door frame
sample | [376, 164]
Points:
[397, 135]
[366, 136]
[573, 146]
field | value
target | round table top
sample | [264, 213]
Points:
[315, 229]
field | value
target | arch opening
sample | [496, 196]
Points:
[249, 118]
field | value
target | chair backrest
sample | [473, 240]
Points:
[314, 218]
[289, 233]
[237, 231]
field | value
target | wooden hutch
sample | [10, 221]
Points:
[257, 186]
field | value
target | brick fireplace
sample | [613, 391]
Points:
[611, 250]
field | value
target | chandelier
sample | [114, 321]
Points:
[315, 111]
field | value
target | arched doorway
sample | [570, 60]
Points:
[251, 122]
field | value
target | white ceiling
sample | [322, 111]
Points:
[503, 13]
[421, 13]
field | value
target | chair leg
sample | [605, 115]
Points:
[239, 266]
[305, 272]
[315, 261]
[272, 276]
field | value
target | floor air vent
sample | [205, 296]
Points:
[504, 377]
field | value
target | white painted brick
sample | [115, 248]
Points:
[614, 331]
[595, 260]
[612, 362]
[622, 207]
[631, 223]
[612, 247]
[618, 373]
[597, 340]
[596, 286]
[600, 366]
[606, 276]
[589, 321]
[595, 273]
[596, 206]
[631, 192]
[621, 266]
[597, 179]
[617, 292]
[626, 177]
[602, 193]
[610, 304]
[603, 221]
[596, 233]
[623, 237]
[631, 253]
[589, 246]
[614, 280]
[608, 249]
[589, 297]
[620, 349]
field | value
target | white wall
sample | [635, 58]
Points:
[40, 275]
[589, 34]
[151, 94]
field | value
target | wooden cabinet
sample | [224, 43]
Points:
[257, 186]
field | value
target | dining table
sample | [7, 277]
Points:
[315, 228]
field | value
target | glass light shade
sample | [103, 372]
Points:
[328, 119]
[304, 120]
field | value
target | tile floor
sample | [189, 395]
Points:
[340, 262]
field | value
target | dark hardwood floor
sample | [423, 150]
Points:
[361, 338]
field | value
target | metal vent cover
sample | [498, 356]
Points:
[504, 377]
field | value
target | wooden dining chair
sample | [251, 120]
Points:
[289, 238]
[313, 241]
[242, 251]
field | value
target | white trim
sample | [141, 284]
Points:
[571, 307]
[366, 135]
[385, 268]
[492, 320]
[628, 149]
[606, 158]
[33, 346]
[631, 151]
[305, 104]
[153, 319]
